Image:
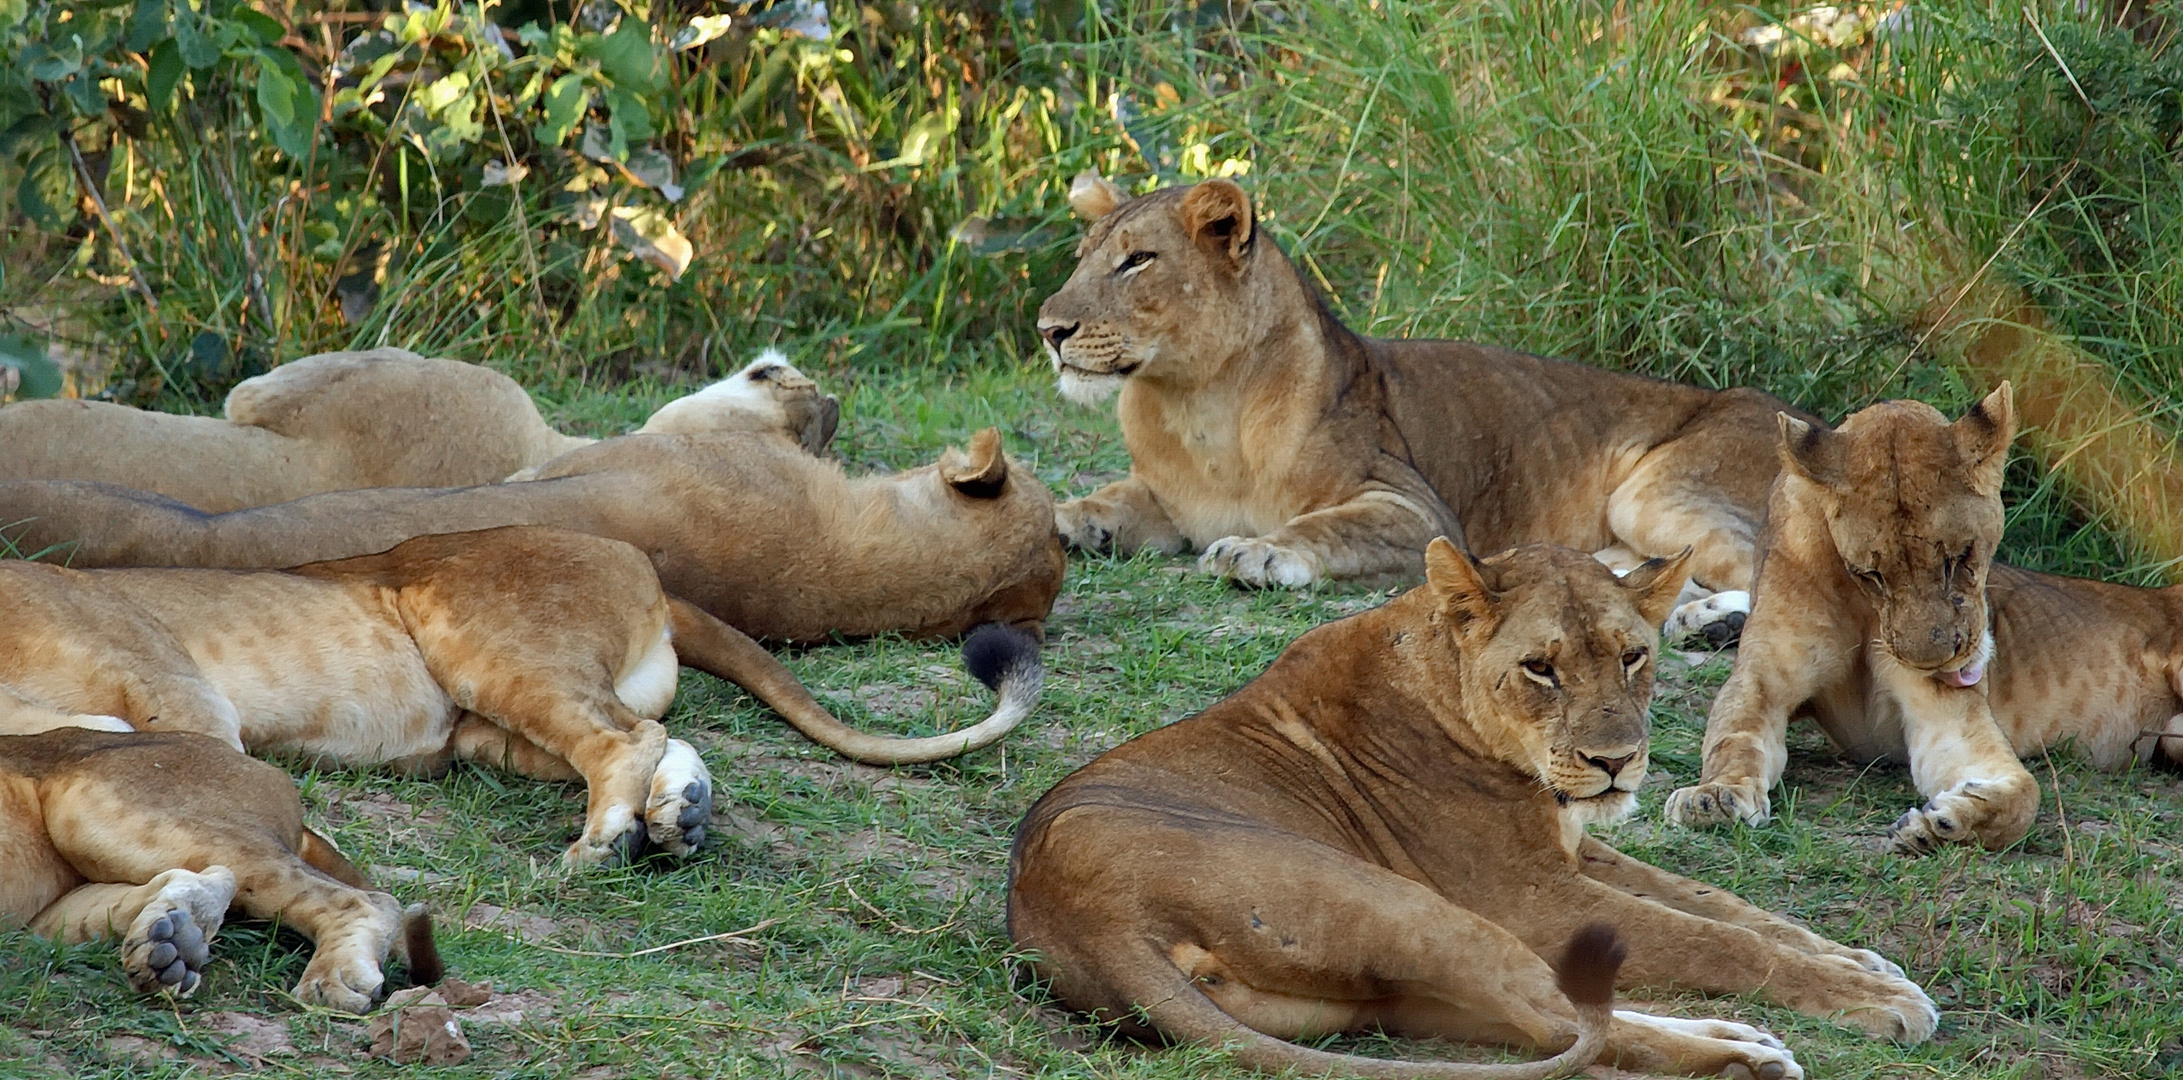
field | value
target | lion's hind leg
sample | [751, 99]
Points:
[166, 925]
[1671, 500]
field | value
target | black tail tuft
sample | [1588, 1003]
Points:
[994, 652]
[423, 960]
[1589, 964]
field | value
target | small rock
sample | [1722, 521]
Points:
[426, 1034]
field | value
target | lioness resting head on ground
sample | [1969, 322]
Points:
[746, 525]
[152, 836]
[1290, 449]
[549, 653]
[336, 421]
[1386, 830]
[1881, 613]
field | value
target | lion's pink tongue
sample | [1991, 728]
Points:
[1968, 676]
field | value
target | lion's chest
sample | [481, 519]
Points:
[317, 668]
[1218, 466]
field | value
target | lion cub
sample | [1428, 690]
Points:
[552, 654]
[1881, 614]
[152, 836]
[1386, 830]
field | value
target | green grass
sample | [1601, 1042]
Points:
[1623, 184]
[889, 958]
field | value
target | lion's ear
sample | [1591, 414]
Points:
[1658, 583]
[1983, 437]
[1093, 196]
[1453, 576]
[980, 470]
[1219, 212]
[813, 420]
[1812, 451]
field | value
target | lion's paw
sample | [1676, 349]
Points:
[617, 840]
[1711, 622]
[1259, 563]
[1081, 528]
[1906, 1014]
[682, 800]
[169, 942]
[1972, 812]
[1750, 1053]
[1718, 803]
[344, 983]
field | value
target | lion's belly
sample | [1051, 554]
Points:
[311, 666]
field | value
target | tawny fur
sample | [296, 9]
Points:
[549, 653]
[330, 422]
[748, 526]
[1386, 829]
[1289, 449]
[149, 837]
[378, 418]
[1878, 590]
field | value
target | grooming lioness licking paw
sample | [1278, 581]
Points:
[1881, 614]
[548, 653]
[1289, 449]
[1386, 830]
[151, 837]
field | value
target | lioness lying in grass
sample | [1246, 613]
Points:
[152, 837]
[549, 653]
[1386, 829]
[1881, 613]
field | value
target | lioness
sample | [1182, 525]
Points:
[1880, 613]
[152, 836]
[1386, 829]
[746, 525]
[378, 418]
[1289, 448]
[549, 653]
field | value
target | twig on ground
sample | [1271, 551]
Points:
[731, 935]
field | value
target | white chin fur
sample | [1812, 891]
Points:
[1613, 806]
[1088, 389]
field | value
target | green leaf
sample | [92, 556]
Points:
[166, 71]
[39, 377]
[45, 63]
[289, 103]
[45, 182]
[199, 49]
[628, 121]
[265, 28]
[627, 55]
[147, 26]
[565, 101]
[29, 128]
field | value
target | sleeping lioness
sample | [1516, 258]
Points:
[1289, 449]
[152, 836]
[749, 526]
[1387, 829]
[336, 421]
[1881, 614]
[549, 653]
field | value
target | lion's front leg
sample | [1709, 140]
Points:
[1648, 882]
[1977, 790]
[1789, 651]
[1677, 948]
[1378, 535]
[1122, 518]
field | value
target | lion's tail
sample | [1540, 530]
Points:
[1004, 659]
[1586, 974]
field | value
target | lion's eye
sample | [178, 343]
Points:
[1951, 565]
[1135, 260]
[1633, 660]
[1870, 579]
[1540, 670]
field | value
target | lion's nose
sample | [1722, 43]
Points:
[1056, 332]
[1611, 765]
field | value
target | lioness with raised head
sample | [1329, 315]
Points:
[152, 836]
[549, 653]
[749, 526]
[1881, 614]
[1387, 829]
[378, 418]
[1289, 449]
